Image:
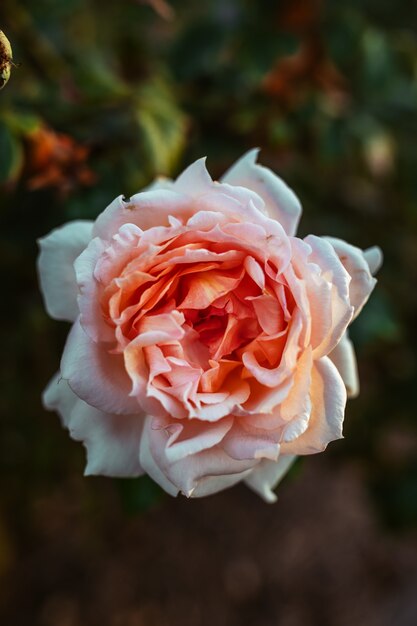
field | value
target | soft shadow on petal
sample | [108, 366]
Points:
[91, 316]
[343, 356]
[356, 264]
[281, 202]
[208, 471]
[374, 258]
[189, 438]
[96, 376]
[58, 252]
[338, 278]
[328, 401]
[112, 441]
[149, 464]
[250, 443]
[265, 477]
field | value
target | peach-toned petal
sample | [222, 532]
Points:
[238, 392]
[242, 443]
[269, 313]
[203, 288]
[264, 401]
[343, 356]
[281, 202]
[116, 254]
[212, 379]
[266, 476]
[273, 377]
[58, 251]
[328, 400]
[255, 271]
[188, 438]
[297, 403]
[112, 441]
[187, 473]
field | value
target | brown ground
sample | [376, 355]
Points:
[317, 557]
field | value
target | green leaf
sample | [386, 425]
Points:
[11, 159]
[162, 126]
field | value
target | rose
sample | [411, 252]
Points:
[209, 344]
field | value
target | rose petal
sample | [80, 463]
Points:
[147, 461]
[59, 250]
[187, 438]
[343, 356]
[374, 258]
[186, 474]
[195, 180]
[112, 441]
[353, 259]
[281, 202]
[324, 255]
[250, 443]
[145, 209]
[328, 400]
[96, 376]
[266, 476]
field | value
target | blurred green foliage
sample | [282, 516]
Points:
[110, 95]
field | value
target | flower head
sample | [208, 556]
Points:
[209, 343]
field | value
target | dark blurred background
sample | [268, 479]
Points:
[108, 95]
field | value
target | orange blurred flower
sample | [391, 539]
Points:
[293, 76]
[310, 67]
[57, 160]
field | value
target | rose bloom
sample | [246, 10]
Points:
[209, 344]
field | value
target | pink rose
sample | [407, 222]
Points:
[209, 344]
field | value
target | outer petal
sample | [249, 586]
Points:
[188, 438]
[281, 202]
[328, 400]
[324, 255]
[356, 264]
[195, 180]
[199, 474]
[112, 441]
[242, 443]
[145, 209]
[343, 356]
[374, 258]
[59, 250]
[265, 477]
[96, 376]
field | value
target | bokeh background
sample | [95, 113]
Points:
[108, 95]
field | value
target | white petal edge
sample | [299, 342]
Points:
[96, 376]
[356, 264]
[343, 356]
[267, 475]
[58, 251]
[281, 202]
[112, 441]
[374, 257]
